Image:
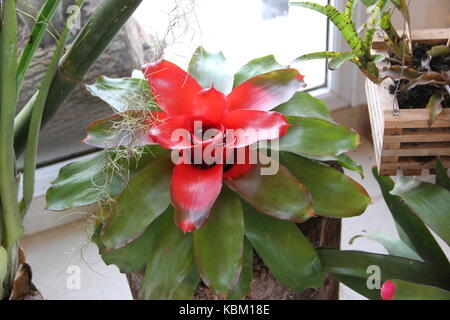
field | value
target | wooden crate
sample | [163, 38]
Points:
[405, 141]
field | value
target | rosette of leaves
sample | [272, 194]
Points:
[408, 64]
[415, 268]
[129, 183]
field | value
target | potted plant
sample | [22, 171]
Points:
[172, 221]
[415, 268]
[19, 134]
[407, 84]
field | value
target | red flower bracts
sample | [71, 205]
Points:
[212, 131]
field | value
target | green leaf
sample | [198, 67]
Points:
[333, 194]
[434, 107]
[302, 104]
[127, 128]
[405, 290]
[122, 93]
[439, 51]
[396, 72]
[211, 69]
[243, 286]
[317, 137]
[428, 201]
[442, 178]
[170, 260]
[132, 257]
[319, 55]
[218, 246]
[144, 199]
[37, 33]
[188, 286]
[342, 159]
[394, 247]
[336, 62]
[86, 181]
[278, 194]
[411, 229]
[351, 268]
[284, 249]
[256, 67]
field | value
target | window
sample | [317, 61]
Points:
[242, 30]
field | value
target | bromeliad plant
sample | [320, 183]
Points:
[417, 70]
[180, 218]
[416, 267]
[20, 133]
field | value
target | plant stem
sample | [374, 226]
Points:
[8, 183]
[102, 27]
[37, 33]
[36, 116]
[11, 223]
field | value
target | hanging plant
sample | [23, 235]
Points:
[408, 87]
[180, 218]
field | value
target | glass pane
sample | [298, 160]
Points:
[242, 30]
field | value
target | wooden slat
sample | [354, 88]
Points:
[426, 36]
[434, 135]
[405, 165]
[419, 152]
[415, 118]
[390, 145]
[412, 172]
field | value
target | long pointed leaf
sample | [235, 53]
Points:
[122, 94]
[187, 287]
[45, 15]
[144, 199]
[243, 286]
[170, 260]
[278, 195]
[218, 246]
[394, 247]
[303, 104]
[352, 268]
[333, 193]
[256, 67]
[86, 181]
[442, 178]
[405, 290]
[410, 225]
[318, 137]
[429, 202]
[211, 69]
[284, 249]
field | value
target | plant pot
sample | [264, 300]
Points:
[406, 141]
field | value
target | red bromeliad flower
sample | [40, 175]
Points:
[189, 111]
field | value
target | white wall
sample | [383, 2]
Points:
[427, 14]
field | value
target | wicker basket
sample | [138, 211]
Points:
[405, 141]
